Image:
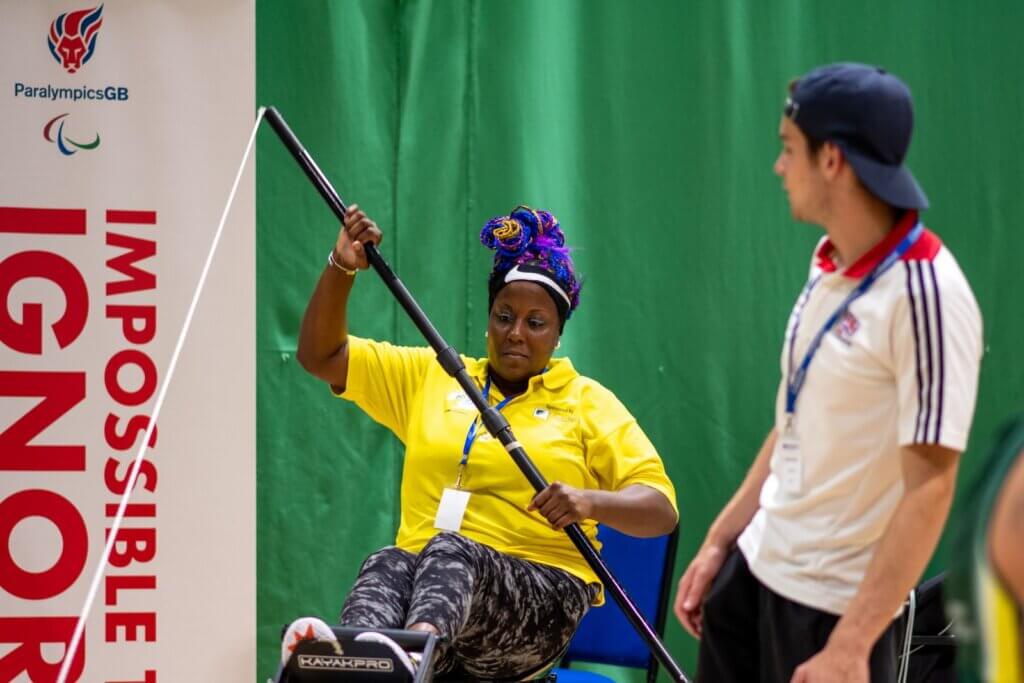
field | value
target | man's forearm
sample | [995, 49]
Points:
[904, 549]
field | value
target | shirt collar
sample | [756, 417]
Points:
[866, 263]
[560, 372]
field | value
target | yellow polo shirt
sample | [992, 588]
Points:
[573, 429]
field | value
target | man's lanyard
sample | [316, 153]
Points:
[471, 434]
[795, 381]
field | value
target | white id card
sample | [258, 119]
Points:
[791, 464]
[451, 510]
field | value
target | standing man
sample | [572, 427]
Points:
[801, 574]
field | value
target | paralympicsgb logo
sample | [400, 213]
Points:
[72, 37]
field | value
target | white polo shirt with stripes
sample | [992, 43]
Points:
[900, 368]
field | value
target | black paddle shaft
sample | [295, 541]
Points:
[495, 422]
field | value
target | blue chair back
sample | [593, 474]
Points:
[644, 568]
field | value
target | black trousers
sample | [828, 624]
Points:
[753, 634]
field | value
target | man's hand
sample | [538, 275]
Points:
[730, 523]
[694, 586]
[834, 664]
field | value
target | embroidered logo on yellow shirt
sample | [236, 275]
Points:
[561, 414]
[457, 400]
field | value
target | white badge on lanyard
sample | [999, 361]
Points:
[791, 463]
[454, 500]
[451, 510]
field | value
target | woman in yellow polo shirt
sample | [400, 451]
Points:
[479, 558]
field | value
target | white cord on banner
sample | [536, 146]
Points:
[69, 656]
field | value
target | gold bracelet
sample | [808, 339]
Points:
[331, 261]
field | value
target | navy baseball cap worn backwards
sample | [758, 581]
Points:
[867, 112]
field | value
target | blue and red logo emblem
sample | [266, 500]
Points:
[72, 37]
[847, 327]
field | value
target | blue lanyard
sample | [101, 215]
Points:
[471, 434]
[796, 379]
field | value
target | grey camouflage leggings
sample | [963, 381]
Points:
[501, 617]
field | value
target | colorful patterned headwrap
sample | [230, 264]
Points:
[529, 245]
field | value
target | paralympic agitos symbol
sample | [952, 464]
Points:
[63, 142]
[72, 37]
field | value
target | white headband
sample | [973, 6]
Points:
[516, 274]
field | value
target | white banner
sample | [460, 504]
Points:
[124, 124]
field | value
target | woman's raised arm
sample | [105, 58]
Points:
[323, 337]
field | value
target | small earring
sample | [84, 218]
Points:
[558, 344]
[485, 334]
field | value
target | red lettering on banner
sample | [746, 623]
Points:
[30, 634]
[150, 678]
[42, 221]
[128, 314]
[132, 545]
[26, 336]
[131, 622]
[134, 217]
[133, 509]
[147, 473]
[137, 323]
[74, 546]
[23, 326]
[60, 391]
[138, 249]
[118, 583]
[111, 377]
[137, 425]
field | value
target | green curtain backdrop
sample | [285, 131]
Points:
[649, 129]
